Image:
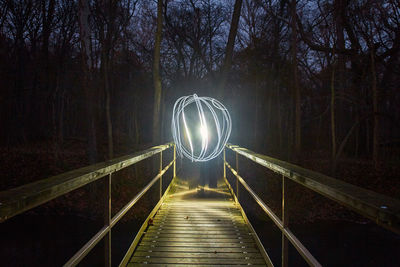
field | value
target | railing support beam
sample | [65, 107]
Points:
[174, 161]
[285, 222]
[381, 209]
[107, 219]
[289, 235]
[160, 172]
[237, 180]
[105, 232]
[224, 163]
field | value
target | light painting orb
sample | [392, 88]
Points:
[201, 126]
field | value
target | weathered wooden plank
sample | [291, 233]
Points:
[200, 249]
[199, 214]
[204, 225]
[199, 244]
[23, 198]
[216, 261]
[185, 219]
[238, 228]
[195, 209]
[196, 231]
[194, 223]
[198, 235]
[186, 265]
[199, 227]
[200, 224]
[191, 240]
[215, 254]
[197, 223]
[216, 205]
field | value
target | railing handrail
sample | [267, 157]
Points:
[23, 198]
[74, 260]
[384, 210]
[278, 222]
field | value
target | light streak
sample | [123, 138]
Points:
[213, 133]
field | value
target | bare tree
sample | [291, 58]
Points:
[295, 79]
[84, 30]
[156, 74]
[229, 46]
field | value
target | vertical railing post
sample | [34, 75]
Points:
[174, 161]
[224, 164]
[107, 220]
[237, 179]
[161, 175]
[285, 221]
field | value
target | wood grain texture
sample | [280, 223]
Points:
[198, 227]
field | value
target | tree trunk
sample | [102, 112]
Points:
[296, 87]
[106, 59]
[375, 142]
[342, 108]
[367, 138]
[61, 118]
[156, 75]
[279, 120]
[268, 118]
[333, 128]
[229, 47]
[344, 142]
[339, 9]
[357, 138]
[47, 21]
[84, 33]
[256, 107]
[108, 112]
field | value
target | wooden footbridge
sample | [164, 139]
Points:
[199, 226]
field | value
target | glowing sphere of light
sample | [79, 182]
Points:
[201, 126]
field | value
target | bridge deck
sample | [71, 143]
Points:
[201, 227]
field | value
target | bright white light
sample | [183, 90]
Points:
[212, 120]
[203, 132]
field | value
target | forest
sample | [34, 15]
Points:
[300, 76]
[311, 82]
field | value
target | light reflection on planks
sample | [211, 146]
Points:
[198, 228]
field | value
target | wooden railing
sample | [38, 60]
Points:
[383, 210]
[26, 197]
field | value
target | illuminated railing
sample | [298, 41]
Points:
[383, 210]
[26, 197]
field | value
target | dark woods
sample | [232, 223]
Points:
[300, 78]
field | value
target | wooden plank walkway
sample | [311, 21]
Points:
[198, 227]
